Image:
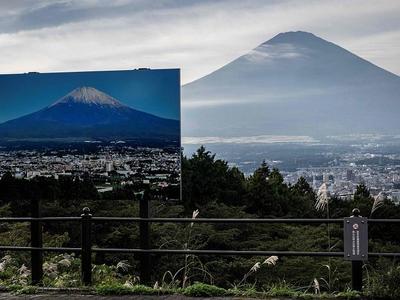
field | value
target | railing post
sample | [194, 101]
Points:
[86, 254]
[37, 242]
[144, 238]
[356, 265]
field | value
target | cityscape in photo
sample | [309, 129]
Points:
[114, 128]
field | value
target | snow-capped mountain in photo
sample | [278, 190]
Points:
[87, 112]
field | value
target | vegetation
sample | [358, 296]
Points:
[204, 290]
[210, 189]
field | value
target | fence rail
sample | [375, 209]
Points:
[145, 251]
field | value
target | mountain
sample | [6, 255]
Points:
[89, 113]
[294, 84]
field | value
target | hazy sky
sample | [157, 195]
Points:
[196, 36]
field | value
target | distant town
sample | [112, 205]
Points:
[112, 166]
[344, 171]
[340, 165]
[342, 180]
[109, 167]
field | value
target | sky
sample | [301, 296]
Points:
[153, 91]
[196, 36]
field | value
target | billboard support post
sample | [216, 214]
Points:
[144, 238]
[86, 257]
[36, 242]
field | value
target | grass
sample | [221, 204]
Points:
[204, 290]
[349, 295]
[282, 290]
[27, 290]
[198, 290]
[119, 289]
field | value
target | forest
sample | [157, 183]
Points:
[210, 189]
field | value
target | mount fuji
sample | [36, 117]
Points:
[89, 113]
[295, 84]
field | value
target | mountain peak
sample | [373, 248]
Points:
[295, 37]
[294, 84]
[296, 33]
[88, 95]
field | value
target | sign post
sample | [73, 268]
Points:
[355, 230]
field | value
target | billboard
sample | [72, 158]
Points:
[114, 127]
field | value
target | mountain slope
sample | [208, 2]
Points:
[294, 84]
[88, 113]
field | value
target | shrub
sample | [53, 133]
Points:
[281, 290]
[119, 289]
[386, 285]
[27, 290]
[113, 289]
[204, 290]
[349, 295]
[144, 290]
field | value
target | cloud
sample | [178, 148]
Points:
[44, 14]
[198, 36]
[265, 53]
[259, 139]
[246, 97]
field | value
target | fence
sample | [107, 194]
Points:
[145, 251]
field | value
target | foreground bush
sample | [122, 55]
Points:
[204, 290]
[118, 289]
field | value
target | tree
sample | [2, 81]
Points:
[233, 191]
[363, 200]
[302, 199]
[259, 198]
[205, 179]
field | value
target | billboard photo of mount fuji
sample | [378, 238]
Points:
[115, 128]
[104, 106]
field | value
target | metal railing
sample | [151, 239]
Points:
[145, 250]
